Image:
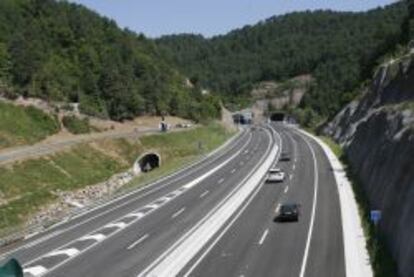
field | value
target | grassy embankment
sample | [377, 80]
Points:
[181, 148]
[27, 186]
[382, 262]
[24, 125]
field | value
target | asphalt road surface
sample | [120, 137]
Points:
[215, 218]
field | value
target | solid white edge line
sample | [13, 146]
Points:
[141, 239]
[357, 260]
[204, 254]
[262, 239]
[315, 201]
[178, 213]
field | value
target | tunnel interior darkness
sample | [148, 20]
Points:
[148, 162]
[277, 117]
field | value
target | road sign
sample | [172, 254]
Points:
[375, 216]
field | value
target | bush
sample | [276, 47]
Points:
[76, 125]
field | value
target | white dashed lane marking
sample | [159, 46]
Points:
[178, 213]
[277, 208]
[137, 215]
[262, 239]
[119, 225]
[70, 252]
[96, 237]
[286, 189]
[204, 194]
[221, 181]
[141, 239]
[35, 270]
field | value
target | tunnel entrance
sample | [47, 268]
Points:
[147, 162]
[277, 117]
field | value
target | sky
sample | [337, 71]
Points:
[155, 18]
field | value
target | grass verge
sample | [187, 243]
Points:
[382, 262]
[27, 186]
[24, 125]
[179, 149]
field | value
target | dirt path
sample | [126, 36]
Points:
[138, 127]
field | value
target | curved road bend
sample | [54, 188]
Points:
[255, 245]
[121, 237]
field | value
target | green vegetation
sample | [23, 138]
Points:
[57, 50]
[339, 49]
[24, 125]
[29, 185]
[180, 149]
[335, 147]
[76, 125]
[382, 262]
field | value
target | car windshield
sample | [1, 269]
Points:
[288, 208]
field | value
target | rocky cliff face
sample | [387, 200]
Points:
[377, 132]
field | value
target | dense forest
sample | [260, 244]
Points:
[64, 52]
[339, 49]
[60, 51]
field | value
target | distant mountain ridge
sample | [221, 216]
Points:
[339, 49]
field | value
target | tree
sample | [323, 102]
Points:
[5, 66]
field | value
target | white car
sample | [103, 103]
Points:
[276, 175]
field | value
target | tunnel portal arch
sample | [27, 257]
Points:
[147, 162]
[279, 116]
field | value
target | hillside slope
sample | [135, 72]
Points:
[339, 49]
[60, 51]
[24, 125]
[377, 133]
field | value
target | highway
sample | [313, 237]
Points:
[215, 218]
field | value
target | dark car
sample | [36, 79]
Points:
[289, 212]
[285, 157]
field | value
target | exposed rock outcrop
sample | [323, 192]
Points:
[277, 96]
[377, 133]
